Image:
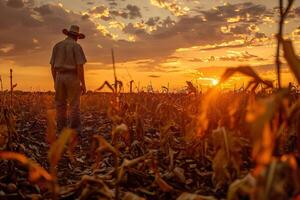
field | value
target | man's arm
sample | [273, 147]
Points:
[80, 71]
[53, 72]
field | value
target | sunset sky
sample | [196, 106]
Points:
[156, 42]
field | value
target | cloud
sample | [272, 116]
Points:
[196, 60]
[171, 5]
[153, 76]
[15, 3]
[241, 12]
[133, 11]
[44, 23]
[106, 14]
[5, 48]
[44, 10]
[152, 21]
[112, 3]
[297, 11]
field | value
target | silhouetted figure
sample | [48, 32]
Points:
[67, 62]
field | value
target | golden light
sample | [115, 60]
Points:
[214, 82]
[211, 81]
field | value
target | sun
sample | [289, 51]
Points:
[214, 82]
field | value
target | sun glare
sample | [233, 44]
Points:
[214, 82]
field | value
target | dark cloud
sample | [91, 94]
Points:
[44, 24]
[154, 76]
[112, 3]
[260, 35]
[240, 56]
[241, 29]
[152, 21]
[85, 17]
[133, 11]
[118, 13]
[44, 9]
[131, 29]
[297, 11]
[247, 12]
[98, 10]
[15, 3]
[32, 35]
[130, 12]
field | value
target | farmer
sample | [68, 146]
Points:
[67, 62]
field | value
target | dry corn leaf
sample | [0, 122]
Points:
[261, 114]
[106, 83]
[91, 185]
[130, 163]
[278, 180]
[56, 150]
[245, 70]
[51, 127]
[121, 132]
[190, 196]
[179, 173]
[227, 160]
[4, 136]
[163, 185]
[241, 188]
[131, 196]
[291, 58]
[104, 145]
[35, 170]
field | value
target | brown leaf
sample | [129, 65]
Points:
[104, 145]
[131, 196]
[190, 196]
[121, 132]
[261, 114]
[241, 188]
[291, 58]
[51, 127]
[179, 173]
[248, 71]
[4, 137]
[106, 83]
[67, 137]
[35, 170]
[130, 163]
[164, 186]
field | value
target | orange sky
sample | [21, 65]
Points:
[158, 42]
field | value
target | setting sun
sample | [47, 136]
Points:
[214, 82]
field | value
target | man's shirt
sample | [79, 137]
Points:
[67, 54]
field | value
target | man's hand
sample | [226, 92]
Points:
[83, 89]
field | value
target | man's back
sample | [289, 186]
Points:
[67, 55]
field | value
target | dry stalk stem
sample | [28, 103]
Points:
[1, 83]
[11, 87]
[283, 14]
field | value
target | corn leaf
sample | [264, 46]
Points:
[291, 58]
[131, 196]
[35, 170]
[4, 136]
[163, 185]
[67, 137]
[51, 133]
[247, 71]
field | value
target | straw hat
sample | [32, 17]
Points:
[74, 31]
